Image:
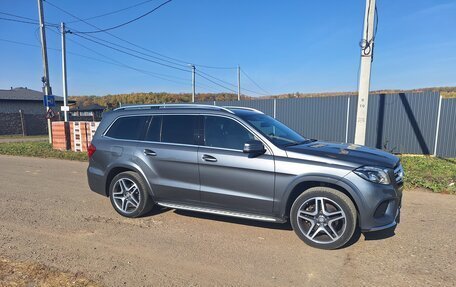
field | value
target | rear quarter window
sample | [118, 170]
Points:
[129, 128]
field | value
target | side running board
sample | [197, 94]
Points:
[221, 212]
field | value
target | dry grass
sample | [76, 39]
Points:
[32, 274]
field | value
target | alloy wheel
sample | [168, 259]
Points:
[321, 220]
[126, 195]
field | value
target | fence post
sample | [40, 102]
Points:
[24, 131]
[348, 119]
[275, 108]
[438, 126]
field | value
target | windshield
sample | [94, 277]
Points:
[278, 133]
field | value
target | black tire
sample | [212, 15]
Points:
[141, 195]
[308, 223]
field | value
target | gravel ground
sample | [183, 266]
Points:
[49, 216]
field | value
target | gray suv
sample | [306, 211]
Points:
[239, 162]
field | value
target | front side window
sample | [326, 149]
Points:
[181, 129]
[278, 133]
[129, 128]
[222, 132]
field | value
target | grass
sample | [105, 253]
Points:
[39, 149]
[25, 274]
[21, 136]
[435, 174]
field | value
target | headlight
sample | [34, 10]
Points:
[373, 174]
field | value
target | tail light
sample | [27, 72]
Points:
[91, 150]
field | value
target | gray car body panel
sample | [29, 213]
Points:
[236, 182]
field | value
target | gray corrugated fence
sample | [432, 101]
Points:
[446, 144]
[399, 123]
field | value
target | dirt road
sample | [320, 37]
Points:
[49, 216]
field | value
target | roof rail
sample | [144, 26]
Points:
[173, 106]
[243, 108]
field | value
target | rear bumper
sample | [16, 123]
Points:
[96, 180]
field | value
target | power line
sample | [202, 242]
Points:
[19, 21]
[120, 25]
[208, 79]
[114, 36]
[136, 51]
[233, 85]
[112, 12]
[128, 53]
[133, 44]
[25, 20]
[111, 60]
[255, 83]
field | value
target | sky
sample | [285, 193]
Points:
[284, 46]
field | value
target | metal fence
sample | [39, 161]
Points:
[416, 123]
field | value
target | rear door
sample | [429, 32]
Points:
[170, 157]
[229, 179]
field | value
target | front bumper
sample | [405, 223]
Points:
[390, 225]
[378, 205]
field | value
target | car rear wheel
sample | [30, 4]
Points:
[323, 217]
[129, 195]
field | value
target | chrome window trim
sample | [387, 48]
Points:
[246, 126]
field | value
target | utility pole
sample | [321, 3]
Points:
[64, 72]
[45, 79]
[193, 83]
[367, 50]
[239, 82]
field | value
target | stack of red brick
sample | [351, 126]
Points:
[75, 136]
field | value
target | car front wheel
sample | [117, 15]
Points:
[323, 217]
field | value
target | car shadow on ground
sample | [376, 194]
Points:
[368, 236]
[261, 224]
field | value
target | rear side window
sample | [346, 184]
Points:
[154, 130]
[129, 128]
[181, 129]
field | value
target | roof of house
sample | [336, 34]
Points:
[24, 94]
[93, 107]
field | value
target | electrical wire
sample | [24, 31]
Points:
[112, 12]
[128, 53]
[133, 50]
[208, 79]
[120, 25]
[111, 61]
[25, 20]
[133, 44]
[255, 83]
[19, 21]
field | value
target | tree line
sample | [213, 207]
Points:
[113, 101]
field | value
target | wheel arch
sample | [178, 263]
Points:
[300, 185]
[115, 169]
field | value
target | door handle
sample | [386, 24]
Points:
[209, 158]
[149, 152]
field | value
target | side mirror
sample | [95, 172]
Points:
[254, 148]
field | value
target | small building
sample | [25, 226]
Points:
[91, 113]
[22, 111]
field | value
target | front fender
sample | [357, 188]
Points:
[341, 182]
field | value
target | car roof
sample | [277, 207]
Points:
[187, 108]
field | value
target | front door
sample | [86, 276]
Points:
[230, 179]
